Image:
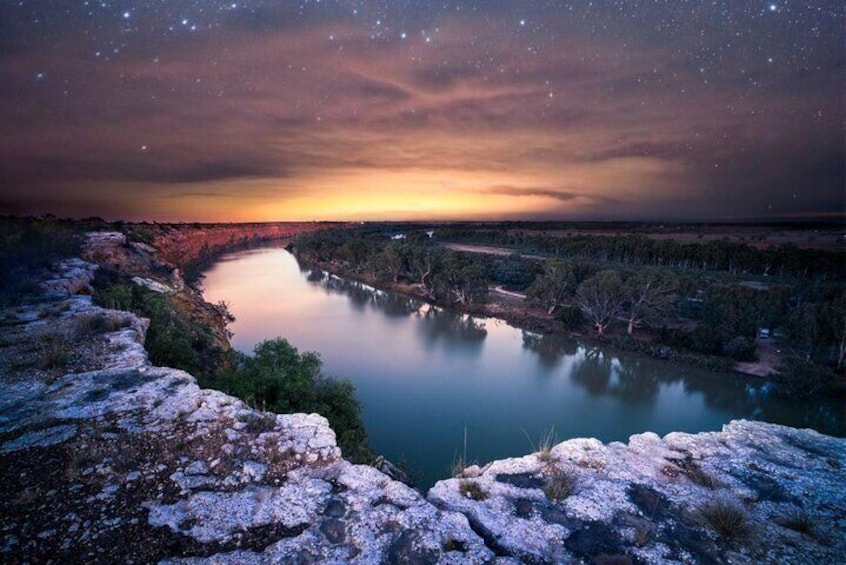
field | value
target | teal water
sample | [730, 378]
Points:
[424, 375]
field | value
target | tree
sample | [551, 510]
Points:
[281, 379]
[394, 257]
[650, 294]
[551, 288]
[804, 327]
[601, 298]
[834, 322]
[461, 278]
[423, 262]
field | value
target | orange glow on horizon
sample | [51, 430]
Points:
[576, 189]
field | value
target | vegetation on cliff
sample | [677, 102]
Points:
[28, 248]
[280, 379]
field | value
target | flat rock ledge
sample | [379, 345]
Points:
[120, 461]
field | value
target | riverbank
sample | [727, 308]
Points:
[511, 309]
[108, 458]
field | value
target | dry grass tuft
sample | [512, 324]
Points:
[54, 353]
[559, 485]
[472, 490]
[727, 518]
[800, 521]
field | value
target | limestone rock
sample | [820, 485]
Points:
[650, 501]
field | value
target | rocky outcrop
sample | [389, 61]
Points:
[752, 493]
[105, 458]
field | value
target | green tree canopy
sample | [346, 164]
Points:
[551, 288]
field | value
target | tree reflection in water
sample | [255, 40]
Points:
[451, 330]
[441, 325]
[638, 380]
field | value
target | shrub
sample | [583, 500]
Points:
[30, 246]
[174, 339]
[803, 378]
[280, 379]
[571, 318]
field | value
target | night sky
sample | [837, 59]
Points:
[410, 109]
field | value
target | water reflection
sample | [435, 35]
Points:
[424, 374]
[362, 295]
[440, 326]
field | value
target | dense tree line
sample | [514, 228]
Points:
[640, 250]
[443, 275]
[616, 282]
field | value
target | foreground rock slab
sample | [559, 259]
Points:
[752, 493]
[107, 459]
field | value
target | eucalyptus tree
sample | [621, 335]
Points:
[650, 296]
[601, 298]
[551, 288]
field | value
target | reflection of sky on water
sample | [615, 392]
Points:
[425, 373]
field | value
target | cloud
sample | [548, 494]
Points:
[554, 194]
[277, 109]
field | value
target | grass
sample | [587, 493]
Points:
[726, 518]
[454, 545]
[54, 355]
[800, 521]
[543, 450]
[457, 467]
[89, 324]
[471, 489]
[644, 534]
[260, 423]
[559, 485]
[695, 473]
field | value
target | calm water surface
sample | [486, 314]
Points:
[423, 375]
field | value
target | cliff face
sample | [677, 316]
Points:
[105, 458]
[184, 244]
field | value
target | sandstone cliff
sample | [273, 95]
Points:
[183, 244]
[105, 458]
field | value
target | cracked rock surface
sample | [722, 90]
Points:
[107, 459]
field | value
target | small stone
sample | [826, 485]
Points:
[254, 470]
[197, 468]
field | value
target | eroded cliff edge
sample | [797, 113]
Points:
[114, 460]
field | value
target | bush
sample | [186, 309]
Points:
[280, 379]
[803, 378]
[740, 348]
[572, 318]
[173, 338]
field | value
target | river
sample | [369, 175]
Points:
[428, 376]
